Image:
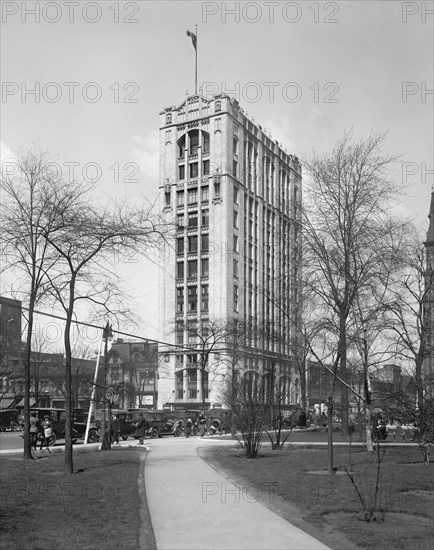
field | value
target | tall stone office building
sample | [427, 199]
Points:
[235, 196]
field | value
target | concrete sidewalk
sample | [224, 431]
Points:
[194, 507]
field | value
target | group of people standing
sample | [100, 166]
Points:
[42, 433]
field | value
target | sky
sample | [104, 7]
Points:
[87, 82]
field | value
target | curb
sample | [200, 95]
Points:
[79, 448]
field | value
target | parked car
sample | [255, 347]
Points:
[58, 419]
[181, 417]
[220, 418]
[9, 420]
[160, 423]
[123, 421]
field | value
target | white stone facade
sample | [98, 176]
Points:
[234, 196]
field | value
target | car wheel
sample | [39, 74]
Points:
[15, 427]
[52, 440]
[92, 437]
[154, 433]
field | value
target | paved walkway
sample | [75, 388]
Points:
[193, 507]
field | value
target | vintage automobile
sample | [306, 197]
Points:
[9, 420]
[160, 422]
[122, 424]
[58, 419]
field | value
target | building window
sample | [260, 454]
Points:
[180, 221]
[192, 196]
[205, 243]
[192, 375]
[235, 146]
[205, 194]
[217, 187]
[236, 195]
[180, 270]
[194, 141]
[235, 298]
[192, 220]
[192, 243]
[205, 143]
[181, 147]
[205, 267]
[192, 393]
[180, 198]
[235, 243]
[180, 300]
[235, 169]
[235, 219]
[167, 198]
[181, 172]
[179, 333]
[180, 246]
[205, 217]
[217, 125]
[205, 168]
[192, 268]
[192, 335]
[205, 297]
[192, 298]
[193, 170]
[236, 268]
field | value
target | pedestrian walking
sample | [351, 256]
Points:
[202, 425]
[34, 431]
[47, 432]
[188, 427]
[141, 428]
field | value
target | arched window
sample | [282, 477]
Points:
[181, 147]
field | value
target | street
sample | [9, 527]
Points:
[14, 440]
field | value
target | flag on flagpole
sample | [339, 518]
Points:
[193, 39]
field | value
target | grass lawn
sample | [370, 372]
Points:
[294, 483]
[98, 507]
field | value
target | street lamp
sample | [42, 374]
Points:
[105, 433]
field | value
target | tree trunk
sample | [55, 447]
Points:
[68, 464]
[202, 380]
[303, 385]
[330, 437]
[27, 378]
[343, 370]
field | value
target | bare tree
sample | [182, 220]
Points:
[237, 336]
[409, 311]
[33, 194]
[85, 237]
[251, 415]
[346, 225]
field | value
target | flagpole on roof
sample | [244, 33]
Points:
[195, 67]
[193, 37]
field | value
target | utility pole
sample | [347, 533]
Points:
[105, 428]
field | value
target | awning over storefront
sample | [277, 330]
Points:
[6, 403]
[21, 403]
